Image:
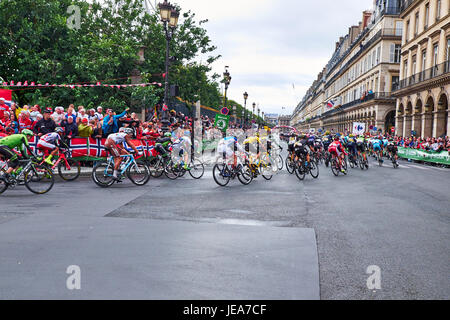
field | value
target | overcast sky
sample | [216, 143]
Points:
[271, 45]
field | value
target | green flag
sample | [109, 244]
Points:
[222, 122]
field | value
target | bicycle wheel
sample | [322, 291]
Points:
[300, 172]
[266, 172]
[39, 179]
[344, 166]
[361, 163]
[156, 167]
[138, 173]
[3, 185]
[70, 173]
[102, 174]
[334, 167]
[221, 174]
[280, 162]
[171, 171]
[197, 169]
[245, 175]
[290, 167]
[352, 163]
[314, 170]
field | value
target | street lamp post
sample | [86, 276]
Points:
[245, 109]
[263, 121]
[226, 81]
[253, 113]
[234, 113]
[259, 121]
[169, 18]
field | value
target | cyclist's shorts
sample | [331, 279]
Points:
[114, 151]
[45, 146]
[376, 147]
[360, 146]
[221, 149]
[291, 148]
[8, 154]
[334, 151]
[392, 149]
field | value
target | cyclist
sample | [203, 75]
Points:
[361, 147]
[301, 150]
[114, 144]
[181, 147]
[393, 150]
[376, 146]
[48, 143]
[337, 150]
[163, 143]
[7, 144]
[351, 146]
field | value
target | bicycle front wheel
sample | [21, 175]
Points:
[197, 169]
[138, 173]
[70, 171]
[39, 179]
[300, 172]
[102, 174]
[280, 162]
[221, 174]
[314, 170]
[290, 165]
[334, 167]
[245, 176]
[3, 185]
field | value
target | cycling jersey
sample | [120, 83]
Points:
[51, 137]
[15, 141]
[118, 137]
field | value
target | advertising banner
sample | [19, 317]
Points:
[421, 155]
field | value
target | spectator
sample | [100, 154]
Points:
[25, 121]
[3, 108]
[12, 126]
[45, 125]
[70, 128]
[97, 129]
[92, 115]
[99, 113]
[35, 112]
[84, 128]
[58, 116]
[81, 116]
[110, 122]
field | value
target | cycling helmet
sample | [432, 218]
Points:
[336, 138]
[128, 131]
[27, 132]
[167, 135]
[121, 129]
[59, 129]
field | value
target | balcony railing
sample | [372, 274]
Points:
[369, 97]
[363, 47]
[436, 71]
[405, 4]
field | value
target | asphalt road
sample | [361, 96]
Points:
[397, 220]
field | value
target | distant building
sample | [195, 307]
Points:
[271, 118]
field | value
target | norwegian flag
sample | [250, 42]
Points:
[137, 143]
[97, 148]
[79, 147]
[33, 142]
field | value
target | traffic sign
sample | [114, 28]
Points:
[222, 122]
[225, 111]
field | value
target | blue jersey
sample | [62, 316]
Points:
[385, 142]
[376, 142]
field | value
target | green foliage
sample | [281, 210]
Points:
[36, 45]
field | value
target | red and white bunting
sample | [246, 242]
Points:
[11, 84]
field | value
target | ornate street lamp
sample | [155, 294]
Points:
[263, 120]
[245, 109]
[253, 113]
[259, 121]
[226, 80]
[169, 18]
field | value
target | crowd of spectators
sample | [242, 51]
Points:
[95, 123]
[425, 144]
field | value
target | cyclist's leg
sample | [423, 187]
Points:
[11, 158]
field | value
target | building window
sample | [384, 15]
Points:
[438, 10]
[435, 54]
[448, 49]
[407, 31]
[424, 60]
[416, 26]
[414, 62]
[395, 53]
[395, 80]
[405, 70]
[427, 15]
[378, 54]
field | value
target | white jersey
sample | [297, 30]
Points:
[118, 137]
[51, 137]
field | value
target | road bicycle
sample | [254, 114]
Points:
[136, 171]
[290, 163]
[302, 169]
[260, 165]
[362, 160]
[336, 168]
[224, 172]
[38, 178]
[68, 168]
[353, 161]
[174, 170]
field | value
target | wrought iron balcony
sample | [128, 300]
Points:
[436, 71]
